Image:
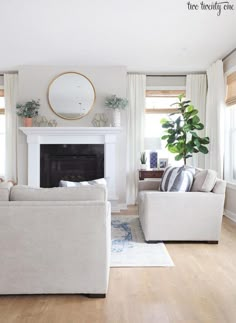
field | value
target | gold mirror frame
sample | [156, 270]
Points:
[53, 107]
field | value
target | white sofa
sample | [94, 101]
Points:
[181, 216]
[55, 241]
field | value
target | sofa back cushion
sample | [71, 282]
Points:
[82, 193]
[177, 179]
[204, 180]
[5, 191]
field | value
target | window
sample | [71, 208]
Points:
[158, 106]
[2, 133]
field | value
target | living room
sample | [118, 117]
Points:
[117, 161]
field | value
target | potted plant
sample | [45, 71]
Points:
[143, 160]
[116, 104]
[27, 111]
[181, 133]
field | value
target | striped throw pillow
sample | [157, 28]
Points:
[177, 179]
[100, 181]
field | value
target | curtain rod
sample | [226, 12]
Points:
[184, 75]
[154, 75]
[230, 53]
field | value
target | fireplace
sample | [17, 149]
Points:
[38, 137]
[72, 162]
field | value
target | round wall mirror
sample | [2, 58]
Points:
[71, 95]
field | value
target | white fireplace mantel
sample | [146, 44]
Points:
[73, 135]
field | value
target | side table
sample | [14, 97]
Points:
[150, 173]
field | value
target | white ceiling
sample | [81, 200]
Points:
[149, 36]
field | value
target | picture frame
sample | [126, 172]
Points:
[163, 163]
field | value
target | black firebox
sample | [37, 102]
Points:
[73, 162]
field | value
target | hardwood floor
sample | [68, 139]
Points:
[200, 288]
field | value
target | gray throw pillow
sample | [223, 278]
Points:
[177, 179]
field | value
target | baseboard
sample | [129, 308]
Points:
[230, 215]
[118, 207]
[123, 206]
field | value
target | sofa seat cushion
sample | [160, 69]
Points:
[177, 179]
[82, 193]
[204, 180]
[5, 190]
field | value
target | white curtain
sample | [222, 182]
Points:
[10, 93]
[135, 132]
[196, 91]
[215, 117]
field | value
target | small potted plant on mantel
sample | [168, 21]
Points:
[27, 111]
[116, 104]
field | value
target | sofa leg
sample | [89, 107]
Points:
[95, 295]
[213, 242]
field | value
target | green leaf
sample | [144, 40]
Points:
[203, 149]
[195, 120]
[190, 108]
[165, 137]
[188, 156]
[181, 96]
[173, 149]
[179, 157]
[197, 142]
[193, 133]
[186, 127]
[189, 147]
[166, 125]
[205, 140]
[199, 126]
[163, 120]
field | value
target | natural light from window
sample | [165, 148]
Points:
[153, 126]
[230, 144]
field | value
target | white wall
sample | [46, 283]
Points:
[33, 84]
[230, 201]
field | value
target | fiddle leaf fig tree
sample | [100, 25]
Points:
[181, 132]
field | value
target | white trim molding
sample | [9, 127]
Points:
[74, 135]
[230, 215]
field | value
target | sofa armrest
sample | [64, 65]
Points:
[181, 215]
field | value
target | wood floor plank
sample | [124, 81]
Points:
[200, 288]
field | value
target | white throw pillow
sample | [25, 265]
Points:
[177, 179]
[204, 181]
[100, 181]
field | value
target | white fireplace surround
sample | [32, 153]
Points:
[73, 135]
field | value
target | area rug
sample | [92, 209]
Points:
[129, 248]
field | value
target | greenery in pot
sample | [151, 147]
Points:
[181, 133]
[28, 110]
[143, 158]
[113, 102]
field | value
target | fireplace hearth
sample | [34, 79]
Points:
[71, 162]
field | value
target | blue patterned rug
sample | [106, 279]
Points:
[129, 248]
